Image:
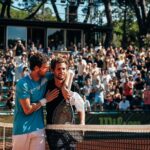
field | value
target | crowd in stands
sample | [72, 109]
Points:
[112, 79]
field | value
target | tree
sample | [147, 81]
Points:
[142, 14]
[109, 33]
[5, 8]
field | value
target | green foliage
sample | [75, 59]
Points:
[132, 31]
[45, 15]
[118, 27]
[18, 14]
[146, 40]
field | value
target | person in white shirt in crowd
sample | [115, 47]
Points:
[134, 72]
[119, 65]
[25, 71]
[33, 47]
[87, 105]
[124, 104]
[105, 77]
[20, 64]
[99, 95]
[87, 88]
[112, 69]
[81, 68]
[95, 73]
[40, 48]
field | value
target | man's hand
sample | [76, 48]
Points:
[51, 95]
[65, 93]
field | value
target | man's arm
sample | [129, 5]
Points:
[29, 107]
[67, 85]
[78, 102]
[81, 115]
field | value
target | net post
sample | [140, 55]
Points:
[4, 138]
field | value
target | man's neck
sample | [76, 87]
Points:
[34, 76]
[58, 83]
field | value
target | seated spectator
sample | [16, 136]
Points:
[10, 100]
[137, 103]
[109, 103]
[139, 85]
[124, 104]
[117, 97]
[147, 98]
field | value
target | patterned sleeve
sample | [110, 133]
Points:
[22, 90]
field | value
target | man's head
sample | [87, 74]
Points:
[59, 67]
[39, 63]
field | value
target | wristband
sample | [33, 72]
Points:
[43, 101]
[82, 123]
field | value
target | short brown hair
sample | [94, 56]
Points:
[38, 59]
[58, 60]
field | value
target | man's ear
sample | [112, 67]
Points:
[36, 68]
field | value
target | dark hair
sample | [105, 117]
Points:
[58, 60]
[25, 68]
[37, 59]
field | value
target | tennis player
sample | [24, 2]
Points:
[28, 126]
[59, 140]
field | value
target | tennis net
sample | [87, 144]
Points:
[5, 136]
[101, 137]
[89, 137]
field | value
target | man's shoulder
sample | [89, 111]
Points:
[49, 75]
[23, 79]
[23, 82]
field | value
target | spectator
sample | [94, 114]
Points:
[10, 100]
[81, 68]
[25, 71]
[139, 85]
[19, 48]
[40, 48]
[109, 104]
[87, 105]
[137, 103]
[128, 89]
[10, 75]
[117, 97]
[20, 64]
[147, 80]
[124, 105]
[99, 95]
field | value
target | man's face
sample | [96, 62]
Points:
[43, 69]
[60, 71]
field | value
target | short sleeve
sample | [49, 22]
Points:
[22, 90]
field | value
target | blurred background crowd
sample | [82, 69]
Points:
[112, 79]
